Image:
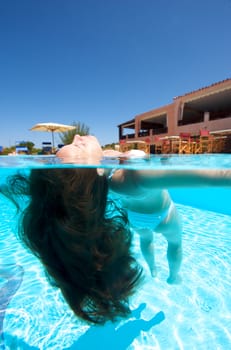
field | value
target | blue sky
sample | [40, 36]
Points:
[101, 62]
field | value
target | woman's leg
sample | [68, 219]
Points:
[171, 228]
[147, 248]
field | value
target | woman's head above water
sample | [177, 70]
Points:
[83, 149]
[87, 150]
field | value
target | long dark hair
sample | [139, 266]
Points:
[81, 237]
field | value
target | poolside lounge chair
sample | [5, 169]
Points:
[129, 145]
[21, 150]
[219, 143]
[158, 143]
[205, 142]
[185, 143]
[125, 146]
[46, 148]
[144, 146]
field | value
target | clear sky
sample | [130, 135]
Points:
[101, 62]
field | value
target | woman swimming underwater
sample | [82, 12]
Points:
[83, 237]
[155, 211]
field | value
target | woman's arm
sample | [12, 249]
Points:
[183, 178]
[133, 181]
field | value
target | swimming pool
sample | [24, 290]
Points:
[193, 315]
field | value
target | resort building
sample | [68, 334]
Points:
[207, 110]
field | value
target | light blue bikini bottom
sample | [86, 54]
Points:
[148, 221]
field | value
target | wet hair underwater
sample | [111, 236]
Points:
[81, 237]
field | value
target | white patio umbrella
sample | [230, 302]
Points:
[52, 127]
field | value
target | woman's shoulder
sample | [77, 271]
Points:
[133, 153]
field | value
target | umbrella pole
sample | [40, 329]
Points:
[53, 142]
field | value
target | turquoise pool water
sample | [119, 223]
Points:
[193, 315]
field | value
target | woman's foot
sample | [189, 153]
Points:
[153, 271]
[174, 279]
